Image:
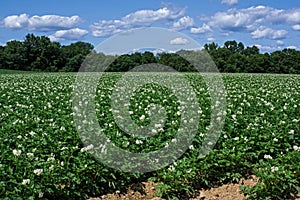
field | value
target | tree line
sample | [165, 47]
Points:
[38, 53]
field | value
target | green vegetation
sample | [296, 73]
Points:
[37, 53]
[8, 71]
[43, 157]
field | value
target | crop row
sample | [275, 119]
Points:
[43, 156]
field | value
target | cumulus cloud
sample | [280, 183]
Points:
[71, 34]
[279, 43]
[183, 23]
[264, 32]
[40, 23]
[250, 19]
[179, 41]
[265, 48]
[141, 18]
[16, 22]
[296, 27]
[291, 47]
[241, 19]
[229, 2]
[291, 16]
[204, 28]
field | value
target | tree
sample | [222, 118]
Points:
[73, 63]
[40, 54]
[14, 55]
[211, 47]
[74, 54]
[2, 57]
[148, 57]
[250, 51]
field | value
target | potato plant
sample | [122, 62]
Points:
[43, 157]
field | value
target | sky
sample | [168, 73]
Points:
[271, 24]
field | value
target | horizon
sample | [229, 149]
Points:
[268, 25]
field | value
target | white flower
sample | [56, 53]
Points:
[142, 117]
[171, 168]
[267, 157]
[38, 171]
[174, 140]
[41, 194]
[236, 138]
[296, 148]
[274, 169]
[50, 159]
[30, 154]
[32, 133]
[17, 152]
[233, 117]
[157, 125]
[89, 147]
[275, 140]
[139, 142]
[191, 147]
[25, 181]
[51, 167]
[154, 131]
[291, 132]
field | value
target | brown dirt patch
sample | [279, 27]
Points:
[146, 191]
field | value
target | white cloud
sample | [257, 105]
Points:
[71, 34]
[179, 41]
[241, 19]
[40, 23]
[296, 27]
[183, 23]
[264, 32]
[279, 43]
[210, 39]
[229, 2]
[253, 17]
[15, 21]
[292, 16]
[141, 18]
[291, 47]
[266, 48]
[204, 28]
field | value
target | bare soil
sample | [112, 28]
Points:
[146, 191]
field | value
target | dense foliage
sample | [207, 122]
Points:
[42, 155]
[37, 53]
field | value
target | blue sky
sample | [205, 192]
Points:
[271, 24]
